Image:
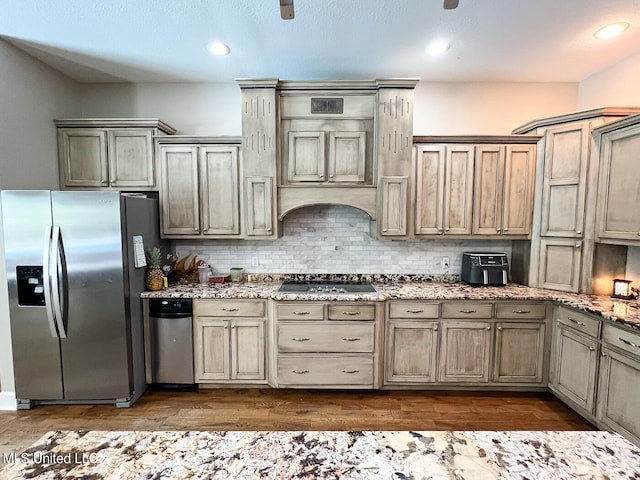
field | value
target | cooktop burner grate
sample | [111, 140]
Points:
[293, 286]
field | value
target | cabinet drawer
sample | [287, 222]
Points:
[340, 338]
[229, 308]
[322, 370]
[623, 339]
[414, 310]
[514, 310]
[352, 312]
[300, 311]
[578, 321]
[467, 310]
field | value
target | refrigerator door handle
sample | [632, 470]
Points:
[46, 278]
[56, 245]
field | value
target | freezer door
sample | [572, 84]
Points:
[26, 216]
[95, 352]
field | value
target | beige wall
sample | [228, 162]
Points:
[618, 85]
[32, 95]
[440, 108]
[487, 108]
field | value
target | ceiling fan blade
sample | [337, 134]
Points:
[286, 9]
[450, 4]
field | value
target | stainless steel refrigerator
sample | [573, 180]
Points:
[75, 311]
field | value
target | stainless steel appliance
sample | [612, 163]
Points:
[171, 342]
[293, 286]
[485, 268]
[76, 315]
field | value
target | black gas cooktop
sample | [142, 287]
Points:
[295, 286]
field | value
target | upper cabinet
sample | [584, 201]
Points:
[562, 249]
[113, 154]
[326, 137]
[200, 193]
[482, 188]
[618, 219]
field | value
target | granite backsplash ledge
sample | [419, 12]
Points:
[353, 277]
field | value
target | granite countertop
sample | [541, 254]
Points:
[625, 312]
[328, 455]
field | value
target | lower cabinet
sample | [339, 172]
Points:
[466, 343]
[230, 342]
[519, 352]
[465, 351]
[619, 393]
[326, 345]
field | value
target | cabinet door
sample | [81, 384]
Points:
[393, 200]
[212, 344]
[306, 157]
[219, 187]
[564, 184]
[519, 352]
[412, 349]
[619, 393]
[430, 165]
[518, 189]
[179, 200]
[489, 190]
[259, 206]
[560, 264]
[576, 361]
[465, 351]
[619, 195]
[83, 157]
[131, 162]
[458, 190]
[347, 152]
[247, 350]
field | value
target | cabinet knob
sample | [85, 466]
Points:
[489, 328]
[500, 328]
[331, 176]
[639, 234]
[578, 244]
[226, 326]
[435, 329]
[592, 349]
[103, 181]
[603, 354]
[498, 230]
[321, 176]
[269, 229]
[579, 232]
[447, 229]
[506, 230]
[233, 326]
[205, 229]
[384, 230]
[440, 230]
[195, 229]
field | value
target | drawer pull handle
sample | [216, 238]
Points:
[576, 322]
[351, 339]
[522, 312]
[415, 311]
[628, 342]
[467, 311]
[350, 371]
[300, 372]
[300, 339]
[301, 313]
[351, 313]
[234, 309]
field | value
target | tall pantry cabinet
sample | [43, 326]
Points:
[563, 246]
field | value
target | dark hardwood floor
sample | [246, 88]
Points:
[266, 409]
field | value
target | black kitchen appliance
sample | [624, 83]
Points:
[485, 268]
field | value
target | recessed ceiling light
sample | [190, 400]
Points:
[438, 47]
[218, 48]
[611, 31]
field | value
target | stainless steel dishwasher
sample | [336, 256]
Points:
[171, 342]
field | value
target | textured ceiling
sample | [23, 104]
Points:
[164, 40]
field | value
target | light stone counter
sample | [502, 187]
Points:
[626, 312]
[327, 455]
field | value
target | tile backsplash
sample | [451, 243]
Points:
[335, 239]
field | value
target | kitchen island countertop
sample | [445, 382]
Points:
[626, 312]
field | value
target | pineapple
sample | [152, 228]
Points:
[155, 275]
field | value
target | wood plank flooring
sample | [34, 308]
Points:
[266, 409]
